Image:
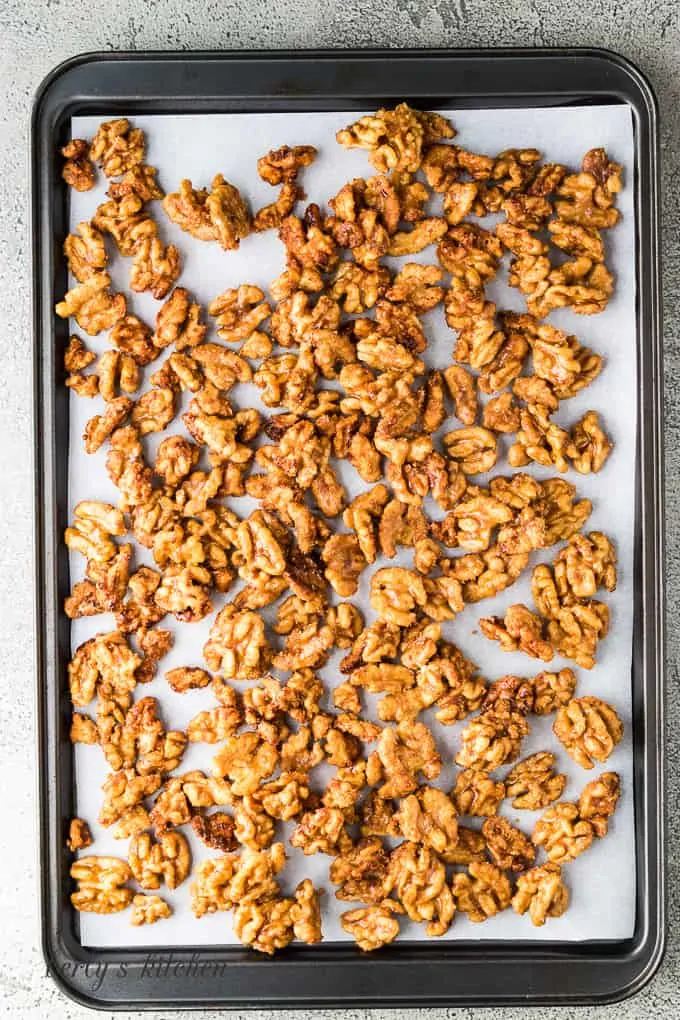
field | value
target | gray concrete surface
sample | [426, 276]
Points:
[37, 34]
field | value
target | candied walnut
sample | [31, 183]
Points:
[346, 622]
[138, 180]
[245, 760]
[470, 846]
[489, 741]
[117, 371]
[395, 137]
[78, 171]
[376, 643]
[148, 910]
[510, 848]
[357, 287]
[222, 882]
[372, 927]
[237, 645]
[589, 729]
[533, 782]
[175, 459]
[459, 201]
[185, 592]
[510, 694]
[216, 831]
[588, 198]
[239, 312]
[270, 217]
[100, 427]
[397, 594]
[265, 926]
[306, 241]
[461, 386]
[306, 647]
[213, 725]
[79, 835]
[155, 267]
[168, 860]
[429, 817]
[562, 833]
[578, 628]
[589, 446]
[321, 831]
[587, 562]
[419, 883]
[126, 221]
[83, 729]
[216, 215]
[92, 304]
[598, 801]
[539, 440]
[423, 234]
[473, 447]
[476, 793]
[105, 659]
[284, 164]
[542, 892]
[306, 913]
[344, 563]
[284, 798]
[117, 147]
[501, 414]
[253, 827]
[85, 255]
[378, 816]
[553, 690]
[520, 630]
[101, 885]
[405, 751]
[362, 872]
[77, 356]
[481, 893]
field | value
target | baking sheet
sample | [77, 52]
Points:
[602, 881]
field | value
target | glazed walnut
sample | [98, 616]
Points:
[101, 885]
[168, 860]
[237, 646]
[533, 783]
[509, 848]
[598, 801]
[476, 793]
[563, 833]
[148, 910]
[219, 215]
[589, 728]
[481, 892]
[372, 927]
[542, 893]
[489, 741]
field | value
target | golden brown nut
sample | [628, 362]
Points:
[245, 760]
[419, 884]
[598, 801]
[101, 885]
[362, 872]
[117, 147]
[149, 909]
[589, 729]
[521, 630]
[220, 214]
[168, 860]
[482, 892]
[533, 782]
[476, 793]
[216, 831]
[78, 171]
[542, 892]
[563, 833]
[284, 164]
[429, 817]
[79, 835]
[405, 751]
[510, 848]
[552, 690]
[372, 927]
[395, 138]
[92, 305]
[489, 741]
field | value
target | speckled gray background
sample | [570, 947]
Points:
[37, 34]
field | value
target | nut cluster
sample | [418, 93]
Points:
[337, 349]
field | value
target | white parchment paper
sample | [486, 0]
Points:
[602, 881]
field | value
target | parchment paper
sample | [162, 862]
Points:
[602, 881]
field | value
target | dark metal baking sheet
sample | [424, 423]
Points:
[334, 974]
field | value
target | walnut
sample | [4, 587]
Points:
[520, 630]
[473, 447]
[253, 827]
[476, 793]
[306, 241]
[78, 171]
[589, 446]
[423, 234]
[213, 725]
[245, 760]
[155, 267]
[588, 198]
[149, 909]
[542, 892]
[533, 782]
[138, 180]
[509, 848]
[168, 860]
[79, 835]
[563, 833]
[83, 729]
[589, 728]
[395, 137]
[344, 563]
[552, 690]
[117, 147]
[378, 816]
[397, 593]
[239, 312]
[136, 819]
[185, 592]
[598, 801]
[539, 440]
[85, 255]
[587, 562]
[489, 741]
[482, 892]
[372, 927]
[284, 798]
[237, 645]
[429, 817]
[217, 215]
[222, 882]
[509, 694]
[405, 751]
[105, 659]
[270, 217]
[92, 304]
[281, 165]
[346, 622]
[216, 831]
[321, 831]
[419, 879]
[362, 872]
[101, 885]
[501, 414]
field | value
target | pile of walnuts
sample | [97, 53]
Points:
[338, 349]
